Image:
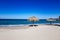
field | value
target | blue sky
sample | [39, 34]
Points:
[23, 9]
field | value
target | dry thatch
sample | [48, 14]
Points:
[51, 19]
[33, 18]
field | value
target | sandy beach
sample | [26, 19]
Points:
[40, 32]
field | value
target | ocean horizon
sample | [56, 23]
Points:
[23, 21]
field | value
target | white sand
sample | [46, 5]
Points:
[41, 32]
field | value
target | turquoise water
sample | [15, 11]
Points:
[22, 21]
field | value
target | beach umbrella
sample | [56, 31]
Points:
[51, 20]
[33, 19]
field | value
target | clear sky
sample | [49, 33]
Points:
[22, 9]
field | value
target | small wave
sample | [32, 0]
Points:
[12, 25]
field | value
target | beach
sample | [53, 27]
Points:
[40, 32]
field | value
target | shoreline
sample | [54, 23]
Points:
[23, 26]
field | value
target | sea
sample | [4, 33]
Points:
[11, 22]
